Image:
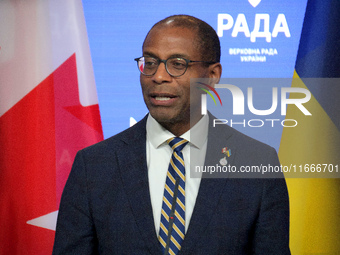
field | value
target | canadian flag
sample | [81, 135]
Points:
[48, 111]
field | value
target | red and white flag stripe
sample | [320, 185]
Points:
[48, 111]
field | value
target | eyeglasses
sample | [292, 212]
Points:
[174, 66]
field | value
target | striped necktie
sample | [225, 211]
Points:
[172, 225]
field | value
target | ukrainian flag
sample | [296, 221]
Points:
[315, 202]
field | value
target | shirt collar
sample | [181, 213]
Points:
[158, 135]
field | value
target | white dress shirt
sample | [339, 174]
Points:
[158, 154]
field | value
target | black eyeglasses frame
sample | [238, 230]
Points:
[164, 61]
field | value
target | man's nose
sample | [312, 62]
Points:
[161, 74]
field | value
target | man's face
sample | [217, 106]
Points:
[167, 97]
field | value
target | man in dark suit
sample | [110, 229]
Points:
[113, 201]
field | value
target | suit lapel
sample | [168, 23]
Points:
[133, 168]
[210, 188]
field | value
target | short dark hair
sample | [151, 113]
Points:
[207, 40]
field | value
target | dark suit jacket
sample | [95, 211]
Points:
[106, 209]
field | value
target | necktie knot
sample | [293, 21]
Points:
[177, 144]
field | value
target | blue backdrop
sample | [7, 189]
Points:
[116, 31]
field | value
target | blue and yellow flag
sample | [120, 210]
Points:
[315, 202]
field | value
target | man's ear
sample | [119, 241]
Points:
[215, 72]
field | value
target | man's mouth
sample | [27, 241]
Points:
[163, 99]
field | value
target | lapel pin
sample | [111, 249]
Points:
[227, 153]
[223, 161]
